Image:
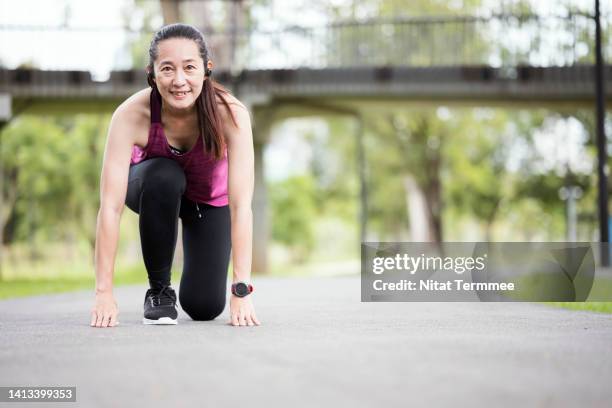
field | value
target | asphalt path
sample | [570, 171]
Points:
[318, 346]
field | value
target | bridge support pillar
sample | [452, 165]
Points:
[5, 116]
[261, 225]
[5, 108]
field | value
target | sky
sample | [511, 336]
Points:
[95, 51]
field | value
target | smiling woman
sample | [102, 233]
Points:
[176, 70]
[181, 149]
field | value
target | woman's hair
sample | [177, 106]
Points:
[209, 120]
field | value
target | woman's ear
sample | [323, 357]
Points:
[209, 67]
[150, 77]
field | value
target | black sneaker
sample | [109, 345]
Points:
[160, 306]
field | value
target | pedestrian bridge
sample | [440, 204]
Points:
[37, 91]
[494, 59]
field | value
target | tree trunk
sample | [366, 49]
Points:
[170, 11]
[363, 182]
[490, 220]
[434, 200]
[416, 203]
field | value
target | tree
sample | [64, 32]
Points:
[293, 204]
[35, 187]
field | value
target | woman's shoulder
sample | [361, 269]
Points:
[132, 117]
[234, 111]
[233, 102]
[136, 108]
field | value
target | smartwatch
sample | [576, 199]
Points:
[241, 289]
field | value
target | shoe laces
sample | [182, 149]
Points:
[162, 297]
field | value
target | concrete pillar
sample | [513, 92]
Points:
[262, 125]
[260, 215]
[6, 112]
[363, 181]
[5, 116]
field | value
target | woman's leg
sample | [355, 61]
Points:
[155, 187]
[206, 248]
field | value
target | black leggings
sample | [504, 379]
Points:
[155, 192]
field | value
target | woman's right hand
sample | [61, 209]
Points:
[104, 313]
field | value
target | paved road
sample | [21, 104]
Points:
[318, 346]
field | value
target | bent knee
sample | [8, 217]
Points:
[165, 176]
[203, 310]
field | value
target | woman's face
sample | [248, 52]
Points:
[179, 72]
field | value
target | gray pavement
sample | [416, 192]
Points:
[318, 346]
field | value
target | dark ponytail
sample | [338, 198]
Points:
[209, 119]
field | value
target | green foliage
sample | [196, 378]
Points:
[51, 168]
[87, 136]
[476, 180]
[33, 162]
[403, 145]
[334, 170]
[294, 213]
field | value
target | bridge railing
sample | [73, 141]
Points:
[495, 40]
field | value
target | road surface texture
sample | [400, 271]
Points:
[318, 346]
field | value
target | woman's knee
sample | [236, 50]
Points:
[165, 177]
[202, 309]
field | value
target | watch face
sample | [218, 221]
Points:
[241, 289]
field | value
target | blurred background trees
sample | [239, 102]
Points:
[433, 172]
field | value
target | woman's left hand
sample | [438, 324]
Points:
[242, 312]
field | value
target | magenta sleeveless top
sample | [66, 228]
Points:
[206, 177]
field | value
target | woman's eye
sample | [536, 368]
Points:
[190, 67]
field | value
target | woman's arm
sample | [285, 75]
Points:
[240, 190]
[113, 187]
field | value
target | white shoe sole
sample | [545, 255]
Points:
[161, 321]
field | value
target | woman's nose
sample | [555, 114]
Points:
[179, 78]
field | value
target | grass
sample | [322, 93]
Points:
[20, 287]
[602, 289]
[545, 285]
[599, 307]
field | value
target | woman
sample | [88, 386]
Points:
[182, 148]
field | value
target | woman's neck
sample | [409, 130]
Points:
[179, 116]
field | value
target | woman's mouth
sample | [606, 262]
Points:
[179, 95]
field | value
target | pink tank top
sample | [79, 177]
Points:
[206, 177]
